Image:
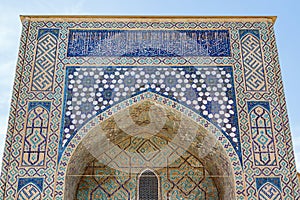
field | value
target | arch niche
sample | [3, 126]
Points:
[151, 133]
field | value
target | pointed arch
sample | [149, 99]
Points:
[77, 153]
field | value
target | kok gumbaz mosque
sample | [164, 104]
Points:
[148, 108]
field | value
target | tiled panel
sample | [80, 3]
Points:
[268, 188]
[221, 73]
[207, 90]
[142, 43]
[252, 60]
[45, 59]
[35, 141]
[30, 188]
[263, 144]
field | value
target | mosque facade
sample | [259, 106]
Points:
[148, 107]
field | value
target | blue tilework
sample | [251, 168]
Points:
[263, 144]
[253, 61]
[254, 32]
[273, 180]
[36, 181]
[209, 91]
[149, 43]
[44, 31]
[45, 59]
[44, 104]
[252, 104]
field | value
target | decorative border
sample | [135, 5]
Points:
[7, 157]
[287, 170]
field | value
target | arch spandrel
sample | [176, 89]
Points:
[99, 130]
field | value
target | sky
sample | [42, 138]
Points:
[287, 32]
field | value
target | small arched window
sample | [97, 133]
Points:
[148, 186]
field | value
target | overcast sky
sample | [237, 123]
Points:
[286, 28]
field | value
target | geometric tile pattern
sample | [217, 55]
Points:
[269, 192]
[44, 67]
[253, 84]
[252, 60]
[29, 192]
[30, 188]
[268, 188]
[189, 180]
[183, 178]
[12, 114]
[142, 146]
[262, 135]
[283, 122]
[208, 91]
[151, 43]
[35, 140]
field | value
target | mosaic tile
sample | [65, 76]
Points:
[185, 175]
[252, 60]
[30, 188]
[268, 188]
[262, 134]
[207, 90]
[43, 73]
[112, 43]
[35, 141]
[53, 66]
